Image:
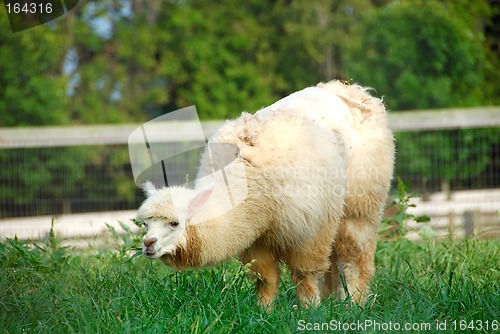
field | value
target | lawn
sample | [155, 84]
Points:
[429, 285]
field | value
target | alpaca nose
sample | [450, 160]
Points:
[149, 241]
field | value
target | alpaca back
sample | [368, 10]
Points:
[361, 121]
[295, 174]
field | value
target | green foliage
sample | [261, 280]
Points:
[226, 64]
[31, 90]
[107, 62]
[212, 55]
[429, 56]
[109, 81]
[481, 19]
[418, 56]
[127, 239]
[395, 226]
[459, 157]
[311, 38]
[33, 93]
[46, 255]
[48, 173]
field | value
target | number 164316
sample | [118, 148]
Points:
[31, 8]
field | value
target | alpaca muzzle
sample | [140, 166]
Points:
[150, 247]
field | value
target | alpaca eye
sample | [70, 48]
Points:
[174, 224]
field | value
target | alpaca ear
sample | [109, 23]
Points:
[199, 199]
[149, 189]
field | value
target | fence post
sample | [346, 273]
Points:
[469, 223]
[446, 189]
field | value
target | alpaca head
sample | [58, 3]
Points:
[165, 213]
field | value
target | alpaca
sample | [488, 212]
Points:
[314, 169]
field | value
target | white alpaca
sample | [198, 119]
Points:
[314, 169]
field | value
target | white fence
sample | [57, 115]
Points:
[447, 207]
[53, 136]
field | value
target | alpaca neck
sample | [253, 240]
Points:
[217, 240]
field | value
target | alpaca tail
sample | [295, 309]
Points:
[355, 96]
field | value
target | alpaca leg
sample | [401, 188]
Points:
[266, 272]
[354, 252]
[307, 287]
[332, 276]
[307, 267]
[309, 262]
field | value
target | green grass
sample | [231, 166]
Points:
[49, 289]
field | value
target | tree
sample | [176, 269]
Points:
[32, 91]
[215, 56]
[310, 39]
[419, 56]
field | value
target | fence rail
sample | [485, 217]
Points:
[87, 135]
[59, 136]
[446, 119]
